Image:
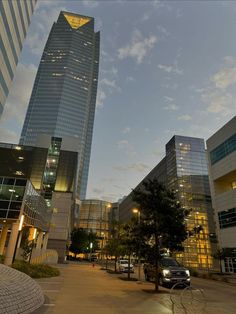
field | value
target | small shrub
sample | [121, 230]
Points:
[2, 259]
[36, 270]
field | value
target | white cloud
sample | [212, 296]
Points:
[110, 83]
[163, 31]
[126, 146]
[130, 79]
[101, 96]
[168, 99]
[185, 117]
[126, 130]
[170, 69]
[8, 136]
[218, 103]
[18, 98]
[171, 107]
[217, 95]
[146, 17]
[137, 167]
[122, 144]
[45, 15]
[225, 78]
[91, 4]
[138, 48]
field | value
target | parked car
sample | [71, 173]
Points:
[170, 272]
[123, 266]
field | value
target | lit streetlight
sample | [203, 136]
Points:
[136, 211]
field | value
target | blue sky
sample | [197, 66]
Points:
[165, 68]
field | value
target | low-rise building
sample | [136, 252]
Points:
[221, 149]
[23, 211]
[51, 168]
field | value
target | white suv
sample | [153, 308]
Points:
[123, 266]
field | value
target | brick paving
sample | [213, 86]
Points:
[18, 292]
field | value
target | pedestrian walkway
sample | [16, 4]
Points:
[84, 289]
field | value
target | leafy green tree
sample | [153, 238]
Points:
[114, 248]
[26, 245]
[80, 241]
[162, 219]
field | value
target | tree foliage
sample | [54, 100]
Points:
[80, 241]
[162, 219]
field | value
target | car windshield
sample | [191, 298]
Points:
[124, 262]
[167, 262]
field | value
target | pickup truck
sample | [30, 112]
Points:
[170, 272]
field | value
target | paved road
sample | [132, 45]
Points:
[84, 289]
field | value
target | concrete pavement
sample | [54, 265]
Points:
[84, 289]
[87, 290]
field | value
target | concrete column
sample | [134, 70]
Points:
[45, 241]
[12, 244]
[39, 241]
[3, 238]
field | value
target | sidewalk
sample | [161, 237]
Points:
[84, 289]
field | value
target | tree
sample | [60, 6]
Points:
[114, 248]
[80, 241]
[162, 219]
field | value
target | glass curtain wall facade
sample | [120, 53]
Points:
[187, 175]
[14, 22]
[94, 215]
[19, 196]
[64, 93]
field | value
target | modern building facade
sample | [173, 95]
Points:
[51, 168]
[63, 99]
[221, 149]
[21, 204]
[184, 170]
[14, 22]
[94, 216]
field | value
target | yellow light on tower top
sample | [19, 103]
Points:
[76, 21]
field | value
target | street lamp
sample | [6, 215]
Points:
[91, 246]
[22, 217]
[137, 212]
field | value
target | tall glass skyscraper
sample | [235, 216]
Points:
[14, 21]
[63, 99]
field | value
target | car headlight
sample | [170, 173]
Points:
[187, 272]
[166, 272]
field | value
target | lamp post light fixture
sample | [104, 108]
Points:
[137, 212]
[22, 217]
[32, 244]
[90, 247]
